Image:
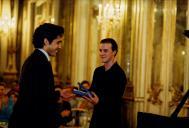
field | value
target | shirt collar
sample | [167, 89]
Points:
[46, 54]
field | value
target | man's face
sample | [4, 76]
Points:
[55, 45]
[106, 53]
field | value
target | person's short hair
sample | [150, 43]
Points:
[46, 30]
[85, 82]
[112, 42]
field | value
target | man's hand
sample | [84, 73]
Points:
[67, 93]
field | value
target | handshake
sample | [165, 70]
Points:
[82, 91]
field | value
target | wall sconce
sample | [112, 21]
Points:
[7, 30]
[109, 12]
[6, 23]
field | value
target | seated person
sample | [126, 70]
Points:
[4, 103]
[82, 109]
[64, 113]
[12, 98]
[83, 103]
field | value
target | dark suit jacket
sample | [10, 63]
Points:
[35, 107]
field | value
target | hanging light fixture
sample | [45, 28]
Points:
[109, 12]
[6, 23]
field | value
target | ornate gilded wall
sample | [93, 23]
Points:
[152, 49]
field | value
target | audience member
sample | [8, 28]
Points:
[64, 113]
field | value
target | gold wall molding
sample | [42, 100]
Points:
[141, 52]
[145, 36]
[66, 16]
[168, 39]
[154, 93]
[186, 71]
[176, 96]
[80, 40]
[8, 21]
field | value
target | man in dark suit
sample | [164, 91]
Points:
[35, 107]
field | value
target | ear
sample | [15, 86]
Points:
[46, 42]
[114, 52]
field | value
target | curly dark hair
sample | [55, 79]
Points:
[46, 30]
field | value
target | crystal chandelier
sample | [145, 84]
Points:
[109, 12]
[6, 23]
